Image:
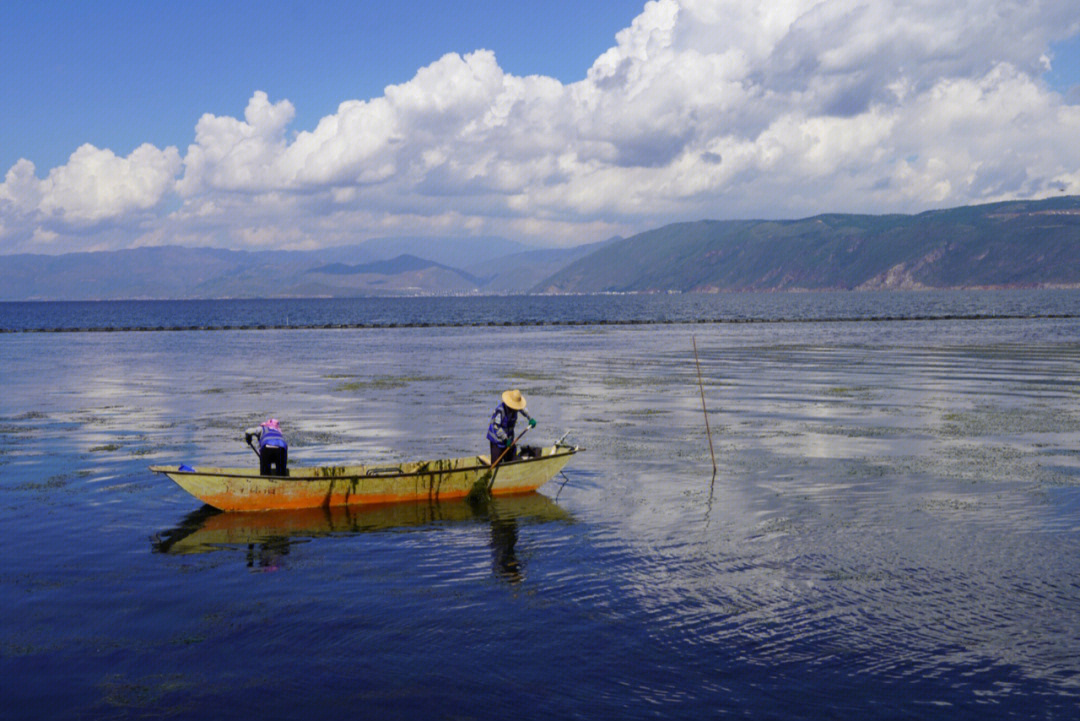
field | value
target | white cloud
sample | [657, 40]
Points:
[95, 187]
[702, 108]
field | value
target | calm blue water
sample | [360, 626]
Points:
[893, 530]
[532, 309]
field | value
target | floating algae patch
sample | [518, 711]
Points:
[849, 575]
[531, 375]
[780, 526]
[124, 488]
[51, 484]
[998, 421]
[846, 431]
[950, 504]
[663, 381]
[852, 392]
[108, 447]
[121, 692]
[980, 463]
[384, 382]
[31, 416]
[302, 438]
[647, 412]
[15, 430]
[231, 422]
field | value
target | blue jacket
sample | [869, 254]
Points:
[271, 437]
[501, 429]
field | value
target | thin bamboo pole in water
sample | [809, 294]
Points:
[701, 386]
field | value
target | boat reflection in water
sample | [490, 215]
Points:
[267, 536]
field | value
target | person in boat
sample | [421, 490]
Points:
[273, 450]
[501, 430]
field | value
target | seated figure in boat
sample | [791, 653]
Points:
[501, 429]
[272, 449]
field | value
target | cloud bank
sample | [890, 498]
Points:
[701, 109]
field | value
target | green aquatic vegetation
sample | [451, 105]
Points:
[949, 504]
[781, 525]
[123, 488]
[105, 448]
[385, 383]
[354, 386]
[859, 431]
[30, 416]
[998, 421]
[982, 463]
[299, 439]
[8, 649]
[187, 640]
[51, 484]
[235, 422]
[522, 375]
[121, 692]
[13, 430]
[213, 390]
[848, 391]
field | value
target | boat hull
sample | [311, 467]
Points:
[240, 489]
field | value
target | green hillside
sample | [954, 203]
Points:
[1001, 245]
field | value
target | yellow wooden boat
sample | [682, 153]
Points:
[243, 489]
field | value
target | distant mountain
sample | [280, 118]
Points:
[454, 252]
[405, 265]
[518, 273]
[165, 272]
[1020, 244]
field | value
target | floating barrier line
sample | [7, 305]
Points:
[539, 323]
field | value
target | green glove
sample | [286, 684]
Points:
[532, 423]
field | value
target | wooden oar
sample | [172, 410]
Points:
[512, 444]
[495, 465]
[476, 494]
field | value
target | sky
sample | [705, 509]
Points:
[273, 125]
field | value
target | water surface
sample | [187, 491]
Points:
[893, 531]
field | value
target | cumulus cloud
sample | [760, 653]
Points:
[93, 189]
[701, 108]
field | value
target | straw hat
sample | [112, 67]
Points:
[514, 399]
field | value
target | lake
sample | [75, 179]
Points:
[893, 530]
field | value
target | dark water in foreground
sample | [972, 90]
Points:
[894, 530]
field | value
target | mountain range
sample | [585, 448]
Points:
[1015, 244]
[379, 267]
[1019, 244]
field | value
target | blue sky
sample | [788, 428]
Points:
[117, 74]
[298, 125]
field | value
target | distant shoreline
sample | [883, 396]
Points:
[569, 294]
[556, 323]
